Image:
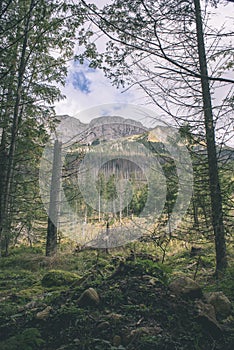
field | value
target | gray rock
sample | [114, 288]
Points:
[44, 314]
[89, 297]
[206, 317]
[103, 326]
[221, 303]
[185, 286]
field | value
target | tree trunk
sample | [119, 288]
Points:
[3, 161]
[51, 240]
[215, 191]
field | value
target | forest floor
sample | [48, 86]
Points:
[121, 300]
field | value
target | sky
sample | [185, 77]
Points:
[86, 88]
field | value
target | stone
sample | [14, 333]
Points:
[114, 316]
[89, 297]
[221, 303]
[185, 286]
[117, 340]
[206, 317]
[44, 314]
[138, 332]
[103, 326]
[204, 308]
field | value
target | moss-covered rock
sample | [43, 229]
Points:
[44, 314]
[206, 317]
[59, 278]
[220, 302]
[185, 286]
[89, 297]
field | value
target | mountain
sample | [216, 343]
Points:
[72, 130]
[110, 128]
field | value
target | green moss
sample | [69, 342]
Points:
[224, 284]
[149, 267]
[58, 278]
[30, 292]
[207, 261]
[10, 280]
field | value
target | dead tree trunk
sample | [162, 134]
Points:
[51, 240]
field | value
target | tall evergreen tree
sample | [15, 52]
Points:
[37, 40]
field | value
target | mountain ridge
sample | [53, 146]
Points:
[102, 128]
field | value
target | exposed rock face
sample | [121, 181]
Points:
[206, 309]
[102, 128]
[69, 127]
[221, 303]
[89, 297]
[185, 286]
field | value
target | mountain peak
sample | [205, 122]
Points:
[100, 128]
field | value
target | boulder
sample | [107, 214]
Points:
[59, 278]
[206, 317]
[89, 297]
[185, 286]
[221, 303]
[44, 314]
[117, 340]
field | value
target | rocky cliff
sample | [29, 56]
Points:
[71, 129]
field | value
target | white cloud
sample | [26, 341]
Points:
[88, 88]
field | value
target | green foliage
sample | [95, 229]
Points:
[30, 76]
[150, 343]
[11, 279]
[29, 339]
[225, 283]
[149, 267]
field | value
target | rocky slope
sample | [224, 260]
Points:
[101, 128]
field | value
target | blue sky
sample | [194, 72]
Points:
[81, 82]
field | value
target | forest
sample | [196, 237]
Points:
[117, 234]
